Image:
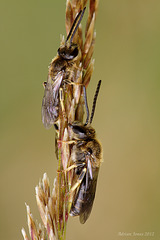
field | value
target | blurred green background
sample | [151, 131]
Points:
[127, 118]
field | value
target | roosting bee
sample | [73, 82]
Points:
[86, 155]
[61, 70]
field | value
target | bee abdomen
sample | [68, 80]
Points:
[76, 207]
[75, 211]
[77, 204]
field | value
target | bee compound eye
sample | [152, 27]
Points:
[79, 131]
[61, 52]
[74, 53]
[68, 53]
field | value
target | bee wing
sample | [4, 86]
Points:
[49, 108]
[50, 102]
[88, 195]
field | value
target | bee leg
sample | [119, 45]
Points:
[77, 184]
[68, 142]
[72, 83]
[68, 169]
[77, 67]
[74, 166]
[62, 99]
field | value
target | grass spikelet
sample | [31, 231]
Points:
[54, 204]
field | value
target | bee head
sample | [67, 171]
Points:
[68, 53]
[81, 132]
[70, 50]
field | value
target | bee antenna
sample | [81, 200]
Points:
[80, 14]
[86, 105]
[95, 100]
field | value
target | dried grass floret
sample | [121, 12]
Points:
[54, 205]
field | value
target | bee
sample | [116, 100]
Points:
[61, 70]
[86, 156]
